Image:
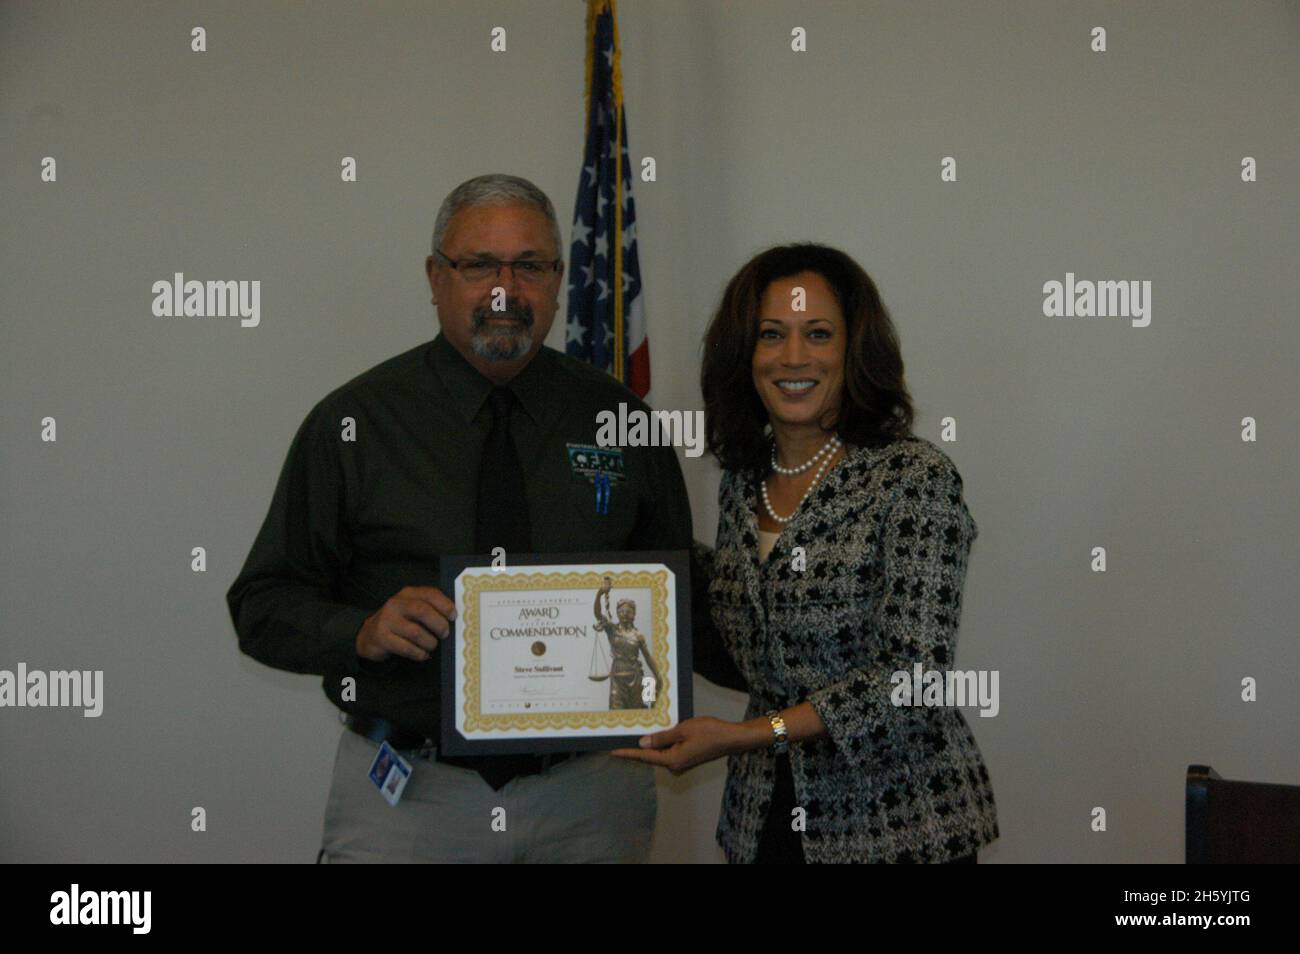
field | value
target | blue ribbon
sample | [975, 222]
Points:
[602, 483]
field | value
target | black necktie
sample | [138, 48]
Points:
[502, 516]
[501, 521]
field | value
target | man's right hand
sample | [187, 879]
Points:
[409, 624]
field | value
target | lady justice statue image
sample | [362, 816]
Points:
[626, 644]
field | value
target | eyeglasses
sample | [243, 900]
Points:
[479, 270]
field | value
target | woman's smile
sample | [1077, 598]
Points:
[795, 389]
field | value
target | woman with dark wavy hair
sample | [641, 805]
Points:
[840, 558]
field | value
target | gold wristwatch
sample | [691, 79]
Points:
[782, 745]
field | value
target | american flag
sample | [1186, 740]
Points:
[606, 323]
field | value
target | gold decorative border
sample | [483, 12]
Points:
[590, 580]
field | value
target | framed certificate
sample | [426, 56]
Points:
[565, 652]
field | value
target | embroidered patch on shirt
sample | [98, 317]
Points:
[590, 462]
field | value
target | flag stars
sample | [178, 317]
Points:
[582, 231]
[574, 333]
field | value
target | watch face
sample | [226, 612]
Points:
[781, 745]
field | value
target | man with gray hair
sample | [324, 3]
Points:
[459, 445]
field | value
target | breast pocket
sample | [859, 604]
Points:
[821, 625]
[607, 523]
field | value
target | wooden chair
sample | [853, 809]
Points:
[1231, 822]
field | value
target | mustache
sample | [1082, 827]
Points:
[519, 310]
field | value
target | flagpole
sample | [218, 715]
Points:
[620, 337]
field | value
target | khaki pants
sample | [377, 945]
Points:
[594, 808]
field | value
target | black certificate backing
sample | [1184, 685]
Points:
[453, 743]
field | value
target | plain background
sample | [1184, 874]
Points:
[1072, 433]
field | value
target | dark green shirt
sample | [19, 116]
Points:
[352, 522]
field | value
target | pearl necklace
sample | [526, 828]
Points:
[767, 503]
[831, 445]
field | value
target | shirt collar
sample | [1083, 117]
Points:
[470, 389]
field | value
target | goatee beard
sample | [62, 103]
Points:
[503, 344]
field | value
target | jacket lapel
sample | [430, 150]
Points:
[745, 520]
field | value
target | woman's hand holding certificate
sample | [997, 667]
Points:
[691, 743]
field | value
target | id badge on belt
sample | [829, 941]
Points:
[390, 773]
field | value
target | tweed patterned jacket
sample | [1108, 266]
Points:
[886, 538]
